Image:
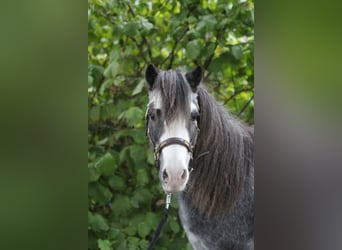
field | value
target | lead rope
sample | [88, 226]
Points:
[166, 211]
[162, 222]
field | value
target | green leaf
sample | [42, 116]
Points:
[237, 52]
[96, 68]
[143, 229]
[133, 243]
[117, 30]
[117, 183]
[131, 28]
[150, 157]
[90, 80]
[99, 193]
[212, 5]
[121, 205]
[152, 219]
[220, 62]
[97, 222]
[132, 115]
[210, 21]
[93, 174]
[94, 114]
[139, 135]
[207, 23]
[137, 199]
[115, 232]
[107, 83]
[188, 246]
[144, 244]
[137, 153]
[141, 196]
[142, 177]
[112, 70]
[174, 226]
[123, 155]
[102, 141]
[109, 111]
[104, 244]
[209, 49]
[139, 87]
[106, 165]
[131, 230]
[146, 24]
[193, 49]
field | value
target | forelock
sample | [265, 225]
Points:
[174, 93]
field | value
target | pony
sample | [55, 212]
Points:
[204, 155]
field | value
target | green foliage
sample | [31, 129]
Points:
[124, 195]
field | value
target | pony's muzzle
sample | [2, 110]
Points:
[174, 180]
[173, 173]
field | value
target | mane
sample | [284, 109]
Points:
[219, 178]
[175, 92]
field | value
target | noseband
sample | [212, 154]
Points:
[171, 141]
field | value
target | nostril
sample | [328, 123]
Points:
[165, 175]
[183, 175]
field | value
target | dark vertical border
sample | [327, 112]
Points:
[43, 109]
[297, 126]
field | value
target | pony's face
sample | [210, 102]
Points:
[175, 118]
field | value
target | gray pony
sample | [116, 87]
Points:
[205, 157]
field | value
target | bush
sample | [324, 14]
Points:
[125, 197]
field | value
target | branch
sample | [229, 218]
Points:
[237, 93]
[172, 53]
[217, 86]
[246, 105]
[149, 51]
[140, 47]
[210, 57]
[131, 9]
[95, 126]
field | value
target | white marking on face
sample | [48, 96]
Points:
[176, 128]
[175, 158]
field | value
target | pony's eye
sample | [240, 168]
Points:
[152, 116]
[194, 116]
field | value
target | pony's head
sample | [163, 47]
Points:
[171, 123]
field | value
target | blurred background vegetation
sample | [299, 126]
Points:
[125, 200]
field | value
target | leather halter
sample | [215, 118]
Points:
[172, 141]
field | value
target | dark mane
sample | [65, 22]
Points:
[220, 178]
[175, 92]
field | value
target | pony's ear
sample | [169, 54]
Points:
[194, 77]
[151, 75]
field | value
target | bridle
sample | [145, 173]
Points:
[171, 141]
[158, 147]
